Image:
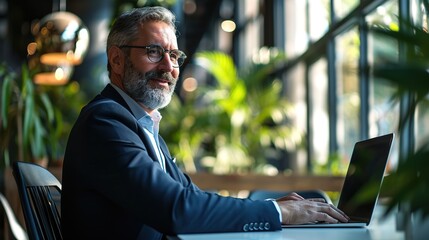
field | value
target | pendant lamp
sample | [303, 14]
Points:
[61, 42]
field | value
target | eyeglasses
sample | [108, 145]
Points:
[156, 53]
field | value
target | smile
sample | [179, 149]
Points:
[161, 82]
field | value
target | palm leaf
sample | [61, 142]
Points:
[220, 65]
[6, 96]
[410, 76]
[410, 182]
[48, 107]
[411, 35]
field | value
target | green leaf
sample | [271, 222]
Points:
[28, 118]
[410, 182]
[27, 84]
[6, 95]
[238, 93]
[58, 123]
[37, 139]
[407, 77]
[220, 65]
[47, 106]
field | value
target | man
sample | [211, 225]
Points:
[119, 179]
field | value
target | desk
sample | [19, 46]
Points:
[377, 230]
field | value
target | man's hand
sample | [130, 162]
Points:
[297, 210]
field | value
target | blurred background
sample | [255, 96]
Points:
[270, 87]
[306, 96]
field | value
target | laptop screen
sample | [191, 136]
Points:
[364, 177]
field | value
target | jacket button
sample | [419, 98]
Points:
[251, 227]
[267, 226]
[246, 227]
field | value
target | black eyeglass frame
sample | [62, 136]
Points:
[180, 59]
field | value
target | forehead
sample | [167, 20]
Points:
[157, 33]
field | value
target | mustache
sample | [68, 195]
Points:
[163, 75]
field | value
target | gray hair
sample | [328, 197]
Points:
[125, 29]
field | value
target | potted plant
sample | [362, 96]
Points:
[27, 116]
[69, 100]
[236, 122]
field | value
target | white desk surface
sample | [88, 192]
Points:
[377, 230]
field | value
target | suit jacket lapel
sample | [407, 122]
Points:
[170, 164]
[146, 140]
[110, 92]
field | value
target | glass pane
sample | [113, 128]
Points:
[252, 31]
[348, 96]
[319, 129]
[318, 18]
[295, 93]
[386, 14]
[422, 128]
[343, 7]
[295, 27]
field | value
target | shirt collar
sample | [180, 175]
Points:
[141, 115]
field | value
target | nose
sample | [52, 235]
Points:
[166, 64]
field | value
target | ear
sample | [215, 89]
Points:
[116, 60]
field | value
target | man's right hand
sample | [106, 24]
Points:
[297, 210]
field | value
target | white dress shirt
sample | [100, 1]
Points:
[150, 123]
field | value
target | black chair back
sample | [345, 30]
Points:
[40, 195]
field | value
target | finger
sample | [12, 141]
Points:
[296, 196]
[324, 217]
[292, 196]
[339, 211]
[332, 211]
[317, 200]
[335, 213]
[288, 198]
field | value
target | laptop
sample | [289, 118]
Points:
[362, 183]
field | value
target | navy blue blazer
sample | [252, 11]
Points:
[114, 188]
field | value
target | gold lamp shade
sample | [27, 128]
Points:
[54, 75]
[61, 41]
[62, 38]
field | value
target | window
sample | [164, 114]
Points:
[327, 76]
[343, 7]
[345, 103]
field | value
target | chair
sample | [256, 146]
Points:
[265, 194]
[40, 194]
[15, 228]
